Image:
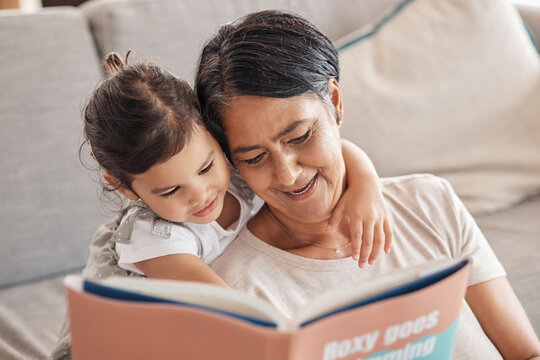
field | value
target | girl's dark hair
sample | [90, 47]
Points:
[139, 116]
[268, 53]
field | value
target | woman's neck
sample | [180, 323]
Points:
[304, 239]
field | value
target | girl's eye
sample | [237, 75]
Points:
[206, 169]
[172, 192]
[255, 160]
[302, 139]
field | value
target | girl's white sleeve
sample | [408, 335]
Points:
[145, 244]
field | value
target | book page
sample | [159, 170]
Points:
[208, 295]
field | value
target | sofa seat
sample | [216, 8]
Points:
[31, 316]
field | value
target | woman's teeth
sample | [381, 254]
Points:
[303, 189]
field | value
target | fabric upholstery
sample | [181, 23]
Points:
[173, 32]
[448, 87]
[49, 207]
[31, 316]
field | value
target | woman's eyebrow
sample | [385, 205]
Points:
[288, 129]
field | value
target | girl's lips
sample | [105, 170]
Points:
[208, 209]
[305, 191]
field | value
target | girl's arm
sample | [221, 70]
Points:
[186, 267]
[189, 267]
[363, 203]
[503, 319]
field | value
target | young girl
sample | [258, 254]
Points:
[144, 128]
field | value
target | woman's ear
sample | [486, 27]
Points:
[121, 188]
[335, 97]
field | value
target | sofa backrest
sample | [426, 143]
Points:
[173, 32]
[50, 64]
[49, 208]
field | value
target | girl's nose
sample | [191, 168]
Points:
[198, 195]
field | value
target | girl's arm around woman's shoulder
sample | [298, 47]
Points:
[185, 267]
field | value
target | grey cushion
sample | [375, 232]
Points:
[173, 32]
[49, 208]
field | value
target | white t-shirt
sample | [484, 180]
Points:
[428, 222]
[150, 237]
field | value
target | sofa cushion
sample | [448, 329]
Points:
[449, 87]
[49, 208]
[173, 32]
[31, 316]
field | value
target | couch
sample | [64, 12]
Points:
[50, 60]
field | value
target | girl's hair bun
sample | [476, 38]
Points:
[115, 63]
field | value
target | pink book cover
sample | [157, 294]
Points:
[114, 329]
[419, 324]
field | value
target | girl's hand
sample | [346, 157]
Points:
[370, 226]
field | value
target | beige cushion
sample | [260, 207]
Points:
[173, 32]
[450, 87]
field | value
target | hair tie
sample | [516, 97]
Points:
[115, 63]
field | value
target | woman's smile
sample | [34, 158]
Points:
[305, 191]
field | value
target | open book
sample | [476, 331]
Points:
[406, 314]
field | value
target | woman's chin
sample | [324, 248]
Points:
[308, 213]
[313, 209]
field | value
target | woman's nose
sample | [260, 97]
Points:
[286, 169]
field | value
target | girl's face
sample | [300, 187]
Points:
[289, 152]
[188, 187]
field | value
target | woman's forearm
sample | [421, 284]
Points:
[503, 319]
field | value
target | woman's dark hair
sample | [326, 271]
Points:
[139, 116]
[269, 53]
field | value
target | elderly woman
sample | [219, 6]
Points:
[269, 92]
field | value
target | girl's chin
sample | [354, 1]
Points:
[201, 220]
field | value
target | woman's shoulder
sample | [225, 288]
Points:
[421, 189]
[421, 181]
[426, 203]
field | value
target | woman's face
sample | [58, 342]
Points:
[289, 152]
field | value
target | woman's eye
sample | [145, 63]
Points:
[302, 139]
[171, 193]
[255, 160]
[206, 169]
